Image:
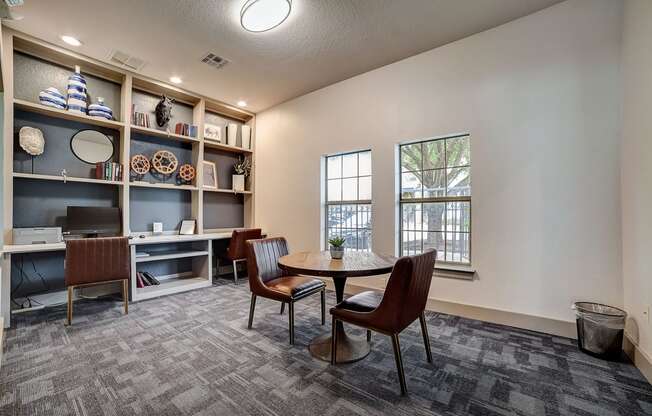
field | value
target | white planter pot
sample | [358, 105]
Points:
[238, 182]
[337, 253]
[232, 134]
[246, 137]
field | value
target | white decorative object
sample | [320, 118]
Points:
[232, 134]
[246, 137]
[212, 132]
[238, 183]
[77, 93]
[187, 227]
[51, 97]
[31, 140]
[157, 228]
[100, 110]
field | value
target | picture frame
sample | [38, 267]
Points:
[209, 170]
[187, 227]
[213, 132]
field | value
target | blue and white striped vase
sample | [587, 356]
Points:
[51, 97]
[77, 93]
[100, 110]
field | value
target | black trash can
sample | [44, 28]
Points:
[600, 329]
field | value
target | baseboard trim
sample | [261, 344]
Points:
[2, 338]
[517, 320]
[640, 359]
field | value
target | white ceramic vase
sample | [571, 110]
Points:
[232, 134]
[246, 137]
[238, 182]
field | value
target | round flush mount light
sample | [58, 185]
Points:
[264, 15]
[242, 103]
[175, 80]
[71, 40]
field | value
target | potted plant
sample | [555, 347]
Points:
[241, 170]
[336, 247]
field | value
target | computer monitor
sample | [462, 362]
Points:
[93, 221]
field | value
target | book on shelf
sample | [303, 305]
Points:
[108, 171]
[138, 118]
[185, 129]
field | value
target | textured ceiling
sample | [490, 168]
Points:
[322, 42]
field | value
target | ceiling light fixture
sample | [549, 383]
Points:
[70, 40]
[176, 80]
[242, 103]
[264, 15]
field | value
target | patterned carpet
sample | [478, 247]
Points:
[191, 354]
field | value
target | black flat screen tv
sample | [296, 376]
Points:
[93, 221]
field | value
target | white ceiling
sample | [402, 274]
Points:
[322, 42]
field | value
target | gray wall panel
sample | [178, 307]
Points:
[150, 205]
[57, 154]
[146, 103]
[43, 203]
[224, 162]
[223, 210]
[32, 75]
[49, 265]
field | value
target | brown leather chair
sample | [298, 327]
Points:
[237, 250]
[269, 281]
[390, 313]
[93, 261]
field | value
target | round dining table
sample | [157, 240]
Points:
[353, 264]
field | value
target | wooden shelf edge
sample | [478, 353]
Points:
[68, 179]
[171, 256]
[67, 115]
[164, 134]
[227, 191]
[139, 184]
[226, 147]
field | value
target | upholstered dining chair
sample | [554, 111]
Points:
[237, 251]
[390, 313]
[269, 281]
[94, 261]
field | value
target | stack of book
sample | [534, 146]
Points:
[186, 129]
[138, 118]
[144, 279]
[108, 171]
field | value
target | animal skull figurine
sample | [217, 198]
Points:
[31, 140]
[164, 111]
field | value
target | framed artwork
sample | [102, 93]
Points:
[210, 175]
[187, 227]
[212, 132]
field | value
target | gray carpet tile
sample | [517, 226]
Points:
[191, 354]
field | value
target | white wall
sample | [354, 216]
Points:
[637, 170]
[540, 97]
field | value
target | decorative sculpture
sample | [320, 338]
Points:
[31, 141]
[164, 162]
[140, 164]
[77, 93]
[99, 109]
[164, 111]
[187, 173]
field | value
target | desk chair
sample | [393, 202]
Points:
[390, 313]
[237, 250]
[269, 281]
[93, 261]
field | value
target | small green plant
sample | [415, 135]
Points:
[242, 167]
[336, 242]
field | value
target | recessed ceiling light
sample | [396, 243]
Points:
[70, 40]
[175, 80]
[242, 103]
[263, 15]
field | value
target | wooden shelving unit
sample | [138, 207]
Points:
[126, 85]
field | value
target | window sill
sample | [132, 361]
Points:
[454, 271]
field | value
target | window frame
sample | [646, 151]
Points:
[440, 199]
[342, 202]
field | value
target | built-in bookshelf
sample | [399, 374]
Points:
[56, 178]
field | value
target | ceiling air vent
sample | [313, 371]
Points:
[215, 61]
[126, 60]
[12, 3]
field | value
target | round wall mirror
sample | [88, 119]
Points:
[92, 146]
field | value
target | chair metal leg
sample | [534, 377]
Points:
[69, 312]
[399, 364]
[323, 307]
[282, 307]
[125, 295]
[252, 307]
[334, 342]
[368, 335]
[235, 272]
[426, 338]
[291, 311]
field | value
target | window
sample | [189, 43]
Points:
[348, 199]
[435, 201]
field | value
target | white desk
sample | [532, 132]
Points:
[8, 250]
